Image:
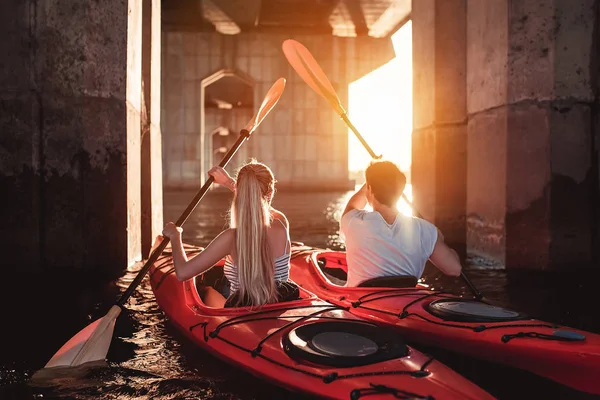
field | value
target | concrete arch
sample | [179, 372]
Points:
[206, 136]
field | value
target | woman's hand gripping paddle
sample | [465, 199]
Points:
[309, 70]
[92, 342]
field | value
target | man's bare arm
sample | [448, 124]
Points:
[358, 201]
[445, 258]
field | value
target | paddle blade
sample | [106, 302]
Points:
[271, 98]
[90, 344]
[309, 70]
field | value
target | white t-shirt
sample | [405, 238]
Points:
[376, 249]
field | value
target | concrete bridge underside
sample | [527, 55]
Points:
[303, 140]
[505, 141]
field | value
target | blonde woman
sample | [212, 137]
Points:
[257, 245]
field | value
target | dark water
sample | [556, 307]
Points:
[148, 359]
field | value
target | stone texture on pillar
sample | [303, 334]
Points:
[70, 90]
[19, 140]
[531, 103]
[438, 171]
[487, 47]
[303, 140]
[151, 167]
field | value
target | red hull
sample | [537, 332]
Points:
[234, 343]
[574, 364]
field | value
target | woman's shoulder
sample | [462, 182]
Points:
[278, 215]
[228, 234]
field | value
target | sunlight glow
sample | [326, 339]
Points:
[380, 106]
[403, 207]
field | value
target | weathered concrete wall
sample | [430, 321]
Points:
[70, 86]
[303, 140]
[439, 159]
[532, 180]
[19, 138]
[595, 64]
[487, 48]
[151, 144]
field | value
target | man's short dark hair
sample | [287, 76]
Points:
[386, 180]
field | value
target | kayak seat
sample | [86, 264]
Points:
[390, 282]
[212, 284]
[334, 272]
[286, 291]
[335, 275]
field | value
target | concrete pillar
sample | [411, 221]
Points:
[71, 134]
[531, 103]
[20, 140]
[151, 168]
[439, 160]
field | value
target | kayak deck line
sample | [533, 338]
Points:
[376, 389]
[421, 372]
[251, 317]
[391, 293]
[479, 328]
[455, 322]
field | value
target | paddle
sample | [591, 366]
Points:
[92, 342]
[309, 70]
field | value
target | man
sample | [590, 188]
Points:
[384, 242]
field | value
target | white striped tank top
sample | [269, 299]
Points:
[282, 268]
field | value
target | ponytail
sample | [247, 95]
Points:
[250, 215]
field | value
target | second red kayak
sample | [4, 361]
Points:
[565, 355]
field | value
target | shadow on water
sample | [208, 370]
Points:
[148, 358]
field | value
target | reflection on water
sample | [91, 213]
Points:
[148, 358]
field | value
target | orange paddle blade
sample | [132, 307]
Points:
[309, 70]
[271, 98]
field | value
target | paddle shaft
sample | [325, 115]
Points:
[344, 117]
[244, 135]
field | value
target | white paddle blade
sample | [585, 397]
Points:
[271, 98]
[311, 72]
[90, 344]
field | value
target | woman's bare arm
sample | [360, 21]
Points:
[217, 249]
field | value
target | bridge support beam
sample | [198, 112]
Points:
[71, 96]
[533, 169]
[439, 159]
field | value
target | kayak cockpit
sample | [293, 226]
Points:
[213, 282]
[333, 267]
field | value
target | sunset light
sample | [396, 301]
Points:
[380, 106]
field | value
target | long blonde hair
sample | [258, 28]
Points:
[250, 216]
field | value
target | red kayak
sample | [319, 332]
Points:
[305, 345]
[565, 355]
